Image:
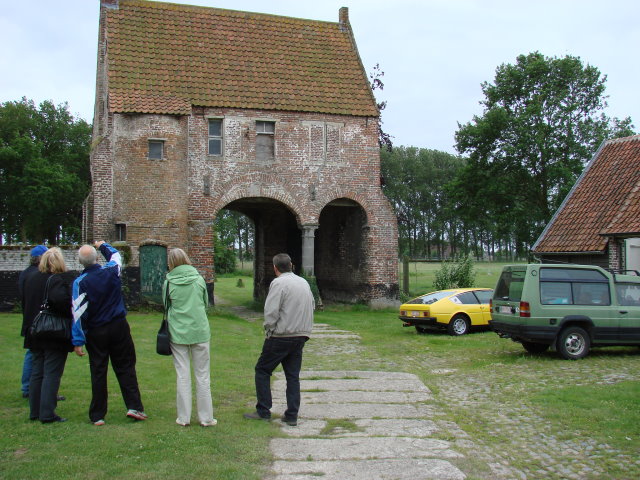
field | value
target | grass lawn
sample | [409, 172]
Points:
[157, 448]
[422, 275]
[540, 406]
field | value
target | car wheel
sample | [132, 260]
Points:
[535, 347]
[420, 329]
[573, 343]
[459, 325]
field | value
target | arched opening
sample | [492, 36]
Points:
[340, 251]
[275, 231]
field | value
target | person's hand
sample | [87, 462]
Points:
[79, 351]
[97, 243]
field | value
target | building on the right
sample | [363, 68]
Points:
[598, 222]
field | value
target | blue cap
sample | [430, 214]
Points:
[38, 250]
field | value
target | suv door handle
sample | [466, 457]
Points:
[624, 311]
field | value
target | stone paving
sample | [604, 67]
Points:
[361, 425]
[380, 425]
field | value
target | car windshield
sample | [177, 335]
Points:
[430, 298]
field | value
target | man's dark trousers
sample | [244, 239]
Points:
[112, 341]
[275, 351]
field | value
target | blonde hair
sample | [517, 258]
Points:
[52, 261]
[177, 257]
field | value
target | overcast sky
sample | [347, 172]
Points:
[435, 53]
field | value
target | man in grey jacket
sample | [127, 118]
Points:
[288, 320]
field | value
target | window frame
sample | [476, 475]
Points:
[156, 141]
[262, 132]
[219, 138]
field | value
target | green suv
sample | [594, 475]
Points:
[569, 307]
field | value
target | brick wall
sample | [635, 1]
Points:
[319, 160]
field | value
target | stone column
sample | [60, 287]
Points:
[308, 249]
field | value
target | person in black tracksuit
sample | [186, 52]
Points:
[100, 323]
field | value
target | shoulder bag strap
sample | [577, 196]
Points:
[167, 303]
[45, 301]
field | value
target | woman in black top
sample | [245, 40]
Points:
[49, 355]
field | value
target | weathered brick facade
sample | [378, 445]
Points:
[319, 197]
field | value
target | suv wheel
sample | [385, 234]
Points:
[535, 347]
[420, 329]
[458, 325]
[573, 343]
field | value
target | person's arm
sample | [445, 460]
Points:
[111, 255]
[80, 305]
[272, 307]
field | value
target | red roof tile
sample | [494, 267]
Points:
[163, 58]
[604, 201]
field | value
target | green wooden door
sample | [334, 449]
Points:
[153, 269]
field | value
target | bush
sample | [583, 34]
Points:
[456, 273]
[224, 259]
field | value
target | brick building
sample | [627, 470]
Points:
[203, 109]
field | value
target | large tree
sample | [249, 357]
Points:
[543, 120]
[44, 172]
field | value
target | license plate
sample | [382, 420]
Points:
[505, 309]
[415, 314]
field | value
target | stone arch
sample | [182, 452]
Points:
[256, 186]
[277, 215]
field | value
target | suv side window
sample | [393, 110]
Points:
[628, 294]
[571, 286]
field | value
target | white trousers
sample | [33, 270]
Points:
[182, 357]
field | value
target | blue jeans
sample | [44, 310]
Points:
[26, 371]
[286, 351]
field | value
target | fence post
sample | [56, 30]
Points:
[405, 274]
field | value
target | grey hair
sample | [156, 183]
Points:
[87, 255]
[282, 262]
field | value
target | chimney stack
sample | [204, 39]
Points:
[344, 19]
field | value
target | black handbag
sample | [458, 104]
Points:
[163, 339]
[48, 325]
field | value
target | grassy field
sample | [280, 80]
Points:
[422, 275]
[541, 406]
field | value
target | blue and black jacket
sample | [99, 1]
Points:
[97, 295]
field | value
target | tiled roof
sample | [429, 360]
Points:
[604, 201]
[164, 57]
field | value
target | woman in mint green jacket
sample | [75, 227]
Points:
[190, 334]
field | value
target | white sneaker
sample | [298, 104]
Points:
[212, 423]
[182, 424]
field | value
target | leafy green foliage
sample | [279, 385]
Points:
[414, 182]
[234, 233]
[456, 273]
[44, 165]
[542, 122]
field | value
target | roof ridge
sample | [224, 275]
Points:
[184, 6]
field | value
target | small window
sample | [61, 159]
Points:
[215, 136]
[265, 142]
[121, 232]
[466, 298]
[156, 149]
[484, 296]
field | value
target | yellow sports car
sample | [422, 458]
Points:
[456, 310]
